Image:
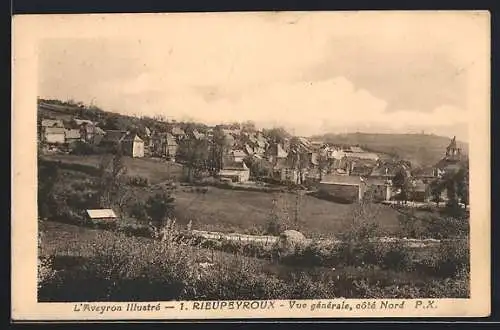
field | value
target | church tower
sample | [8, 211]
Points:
[452, 152]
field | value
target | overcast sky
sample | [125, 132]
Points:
[312, 73]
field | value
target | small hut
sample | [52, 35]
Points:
[102, 216]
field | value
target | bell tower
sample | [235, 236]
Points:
[452, 152]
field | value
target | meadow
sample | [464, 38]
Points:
[229, 210]
[155, 170]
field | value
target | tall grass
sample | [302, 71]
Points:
[122, 268]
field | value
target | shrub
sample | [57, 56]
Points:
[122, 268]
[394, 256]
[451, 258]
[447, 227]
[138, 211]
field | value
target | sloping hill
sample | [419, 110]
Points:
[420, 149]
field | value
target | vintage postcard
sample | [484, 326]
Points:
[251, 165]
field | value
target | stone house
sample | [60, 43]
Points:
[235, 171]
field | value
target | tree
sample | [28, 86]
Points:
[218, 149]
[112, 123]
[402, 182]
[277, 221]
[298, 157]
[47, 179]
[450, 183]
[436, 188]
[112, 191]
[196, 154]
[276, 135]
[322, 164]
[160, 208]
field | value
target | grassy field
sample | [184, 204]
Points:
[229, 210]
[155, 170]
[239, 211]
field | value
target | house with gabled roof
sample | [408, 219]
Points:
[51, 131]
[80, 122]
[234, 171]
[133, 146]
[164, 145]
[344, 188]
[52, 123]
[178, 133]
[101, 215]
[276, 152]
[72, 135]
[197, 135]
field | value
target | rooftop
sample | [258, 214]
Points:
[101, 213]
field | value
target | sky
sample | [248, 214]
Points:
[311, 73]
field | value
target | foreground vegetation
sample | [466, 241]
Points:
[107, 266]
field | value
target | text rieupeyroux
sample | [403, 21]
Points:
[344, 305]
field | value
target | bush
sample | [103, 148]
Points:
[451, 258]
[394, 256]
[138, 211]
[122, 268]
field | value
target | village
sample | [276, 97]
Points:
[232, 194]
[243, 155]
[247, 160]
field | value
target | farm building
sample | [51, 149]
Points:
[72, 135]
[276, 152]
[53, 135]
[164, 145]
[361, 167]
[170, 147]
[178, 133]
[101, 215]
[133, 146]
[89, 132]
[343, 187]
[51, 131]
[362, 155]
[235, 171]
[238, 155]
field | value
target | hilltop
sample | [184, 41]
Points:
[420, 149]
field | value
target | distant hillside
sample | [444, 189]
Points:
[420, 149]
[55, 109]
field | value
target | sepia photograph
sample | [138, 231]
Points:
[231, 160]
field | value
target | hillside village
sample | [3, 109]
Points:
[241, 154]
